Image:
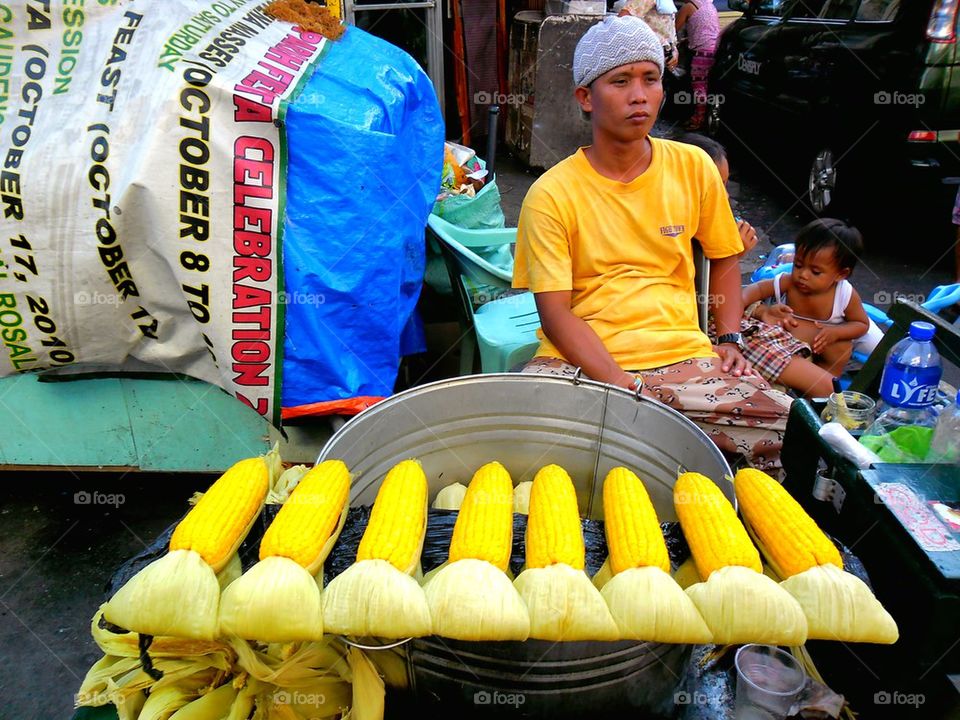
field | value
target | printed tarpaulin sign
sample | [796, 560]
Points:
[142, 188]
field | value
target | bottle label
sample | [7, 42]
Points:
[910, 387]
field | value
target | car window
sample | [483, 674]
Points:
[802, 9]
[771, 8]
[838, 9]
[878, 10]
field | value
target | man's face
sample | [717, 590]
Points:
[624, 102]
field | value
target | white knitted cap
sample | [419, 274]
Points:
[613, 42]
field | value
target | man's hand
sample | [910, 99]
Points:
[732, 361]
[779, 314]
[748, 235]
[826, 335]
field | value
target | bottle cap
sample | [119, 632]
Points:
[921, 331]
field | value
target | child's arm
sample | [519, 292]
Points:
[757, 291]
[855, 324]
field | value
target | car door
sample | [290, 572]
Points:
[745, 76]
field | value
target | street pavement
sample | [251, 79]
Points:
[56, 553]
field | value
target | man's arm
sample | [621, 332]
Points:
[727, 310]
[577, 341]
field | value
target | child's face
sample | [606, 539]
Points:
[817, 272]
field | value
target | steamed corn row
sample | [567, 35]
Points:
[562, 602]
[737, 601]
[278, 599]
[554, 534]
[837, 605]
[378, 595]
[634, 538]
[790, 539]
[471, 597]
[646, 603]
[716, 537]
[179, 594]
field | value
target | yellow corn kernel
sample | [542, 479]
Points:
[484, 527]
[715, 535]
[302, 528]
[790, 537]
[398, 519]
[217, 524]
[554, 534]
[634, 538]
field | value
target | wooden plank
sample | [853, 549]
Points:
[185, 425]
[74, 423]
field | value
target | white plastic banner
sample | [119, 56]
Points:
[142, 188]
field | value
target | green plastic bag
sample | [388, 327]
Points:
[908, 444]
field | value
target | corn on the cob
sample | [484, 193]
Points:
[278, 599]
[484, 528]
[179, 594]
[470, 597]
[738, 602]
[717, 539]
[634, 538]
[644, 600]
[790, 539]
[562, 602]
[309, 522]
[398, 520]
[554, 534]
[376, 596]
[450, 497]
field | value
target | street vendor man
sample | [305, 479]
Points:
[604, 243]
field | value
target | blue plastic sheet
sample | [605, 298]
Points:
[365, 142]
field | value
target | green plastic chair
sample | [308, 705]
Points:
[502, 322]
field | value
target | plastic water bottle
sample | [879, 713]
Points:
[906, 415]
[945, 446]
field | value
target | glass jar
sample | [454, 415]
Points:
[858, 415]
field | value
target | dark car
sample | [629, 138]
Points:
[862, 96]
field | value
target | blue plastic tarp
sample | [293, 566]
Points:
[365, 143]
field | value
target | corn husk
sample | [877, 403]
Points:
[175, 595]
[392, 666]
[274, 601]
[474, 600]
[564, 605]
[164, 701]
[286, 484]
[215, 705]
[297, 665]
[521, 497]
[368, 691]
[450, 497]
[647, 604]
[219, 654]
[686, 574]
[372, 598]
[840, 606]
[741, 605]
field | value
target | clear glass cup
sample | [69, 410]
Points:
[857, 416]
[768, 682]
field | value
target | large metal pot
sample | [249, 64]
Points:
[527, 421]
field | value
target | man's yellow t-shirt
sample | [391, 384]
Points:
[624, 250]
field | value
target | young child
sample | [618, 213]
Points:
[773, 352]
[816, 303]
